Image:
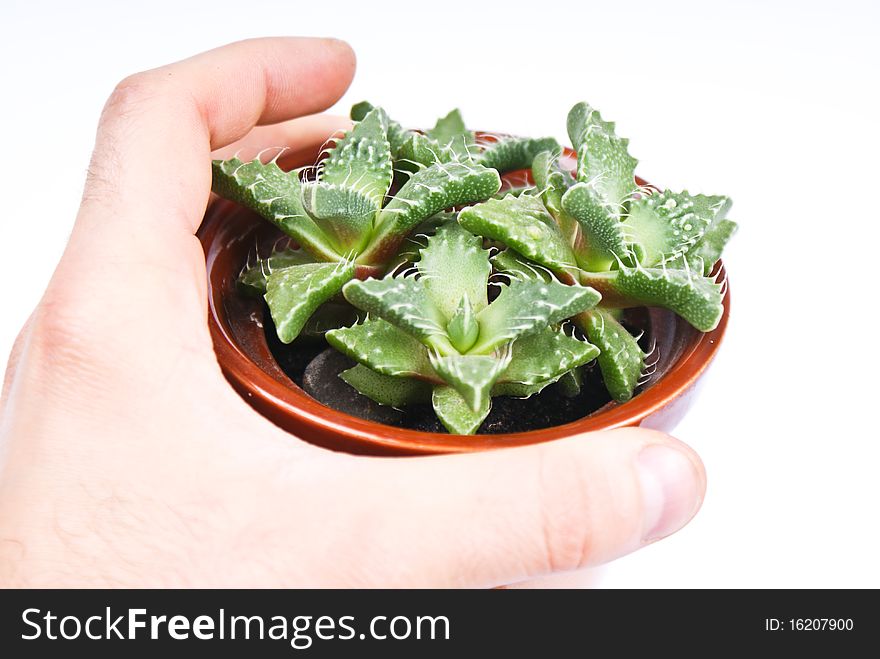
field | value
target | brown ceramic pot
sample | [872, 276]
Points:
[229, 234]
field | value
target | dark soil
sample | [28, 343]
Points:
[315, 368]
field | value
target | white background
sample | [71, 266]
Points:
[772, 103]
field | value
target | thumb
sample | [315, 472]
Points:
[503, 516]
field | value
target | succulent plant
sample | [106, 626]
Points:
[597, 227]
[346, 223]
[450, 140]
[432, 332]
[503, 297]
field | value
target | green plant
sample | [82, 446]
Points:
[437, 316]
[597, 227]
[432, 333]
[346, 223]
[451, 141]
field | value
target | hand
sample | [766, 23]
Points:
[127, 460]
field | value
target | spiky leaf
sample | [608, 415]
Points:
[385, 348]
[508, 261]
[516, 152]
[293, 293]
[526, 306]
[408, 251]
[524, 224]
[472, 376]
[386, 389]
[274, 194]
[454, 265]
[362, 158]
[429, 191]
[451, 133]
[344, 213]
[252, 279]
[603, 159]
[667, 225]
[620, 358]
[455, 414]
[404, 302]
[419, 151]
[708, 250]
[396, 133]
[553, 183]
[602, 230]
[692, 296]
[545, 356]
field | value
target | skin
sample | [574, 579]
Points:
[127, 460]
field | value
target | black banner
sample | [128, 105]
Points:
[278, 623]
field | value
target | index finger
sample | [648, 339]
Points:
[133, 248]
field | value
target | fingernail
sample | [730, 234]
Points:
[670, 488]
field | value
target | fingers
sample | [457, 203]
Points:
[501, 517]
[129, 294]
[150, 172]
[130, 288]
[295, 141]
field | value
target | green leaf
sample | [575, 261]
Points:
[342, 212]
[621, 360]
[604, 240]
[419, 151]
[664, 226]
[510, 262]
[707, 251]
[453, 266]
[396, 134]
[526, 306]
[404, 302]
[692, 296]
[360, 110]
[463, 329]
[451, 133]
[512, 153]
[385, 348]
[471, 375]
[329, 316]
[455, 414]
[429, 191]
[362, 158]
[524, 224]
[570, 383]
[386, 389]
[274, 194]
[603, 160]
[252, 279]
[293, 293]
[545, 356]
[553, 183]
[408, 251]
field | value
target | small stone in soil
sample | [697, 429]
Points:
[321, 381]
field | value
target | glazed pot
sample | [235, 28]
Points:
[229, 234]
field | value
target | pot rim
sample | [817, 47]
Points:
[287, 400]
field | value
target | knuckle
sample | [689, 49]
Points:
[130, 93]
